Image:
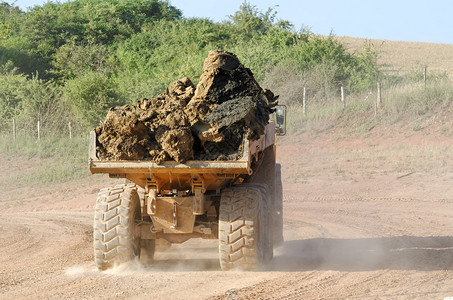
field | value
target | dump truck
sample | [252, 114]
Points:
[238, 202]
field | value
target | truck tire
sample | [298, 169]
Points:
[269, 173]
[245, 241]
[278, 208]
[116, 215]
[269, 246]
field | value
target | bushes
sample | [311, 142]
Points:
[10, 83]
[40, 100]
[164, 52]
[90, 96]
[249, 21]
[92, 54]
[29, 100]
[288, 82]
[321, 65]
[72, 60]
[91, 21]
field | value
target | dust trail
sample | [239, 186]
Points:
[126, 269]
[188, 257]
[79, 270]
[365, 254]
[331, 254]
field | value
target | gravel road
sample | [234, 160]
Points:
[350, 233]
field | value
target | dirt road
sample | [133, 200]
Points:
[363, 220]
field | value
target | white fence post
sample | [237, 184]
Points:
[70, 130]
[14, 129]
[303, 101]
[39, 131]
[378, 99]
[342, 97]
[424, 75]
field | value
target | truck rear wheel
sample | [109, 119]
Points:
[269, 172]
[116, 215]
[245, 239]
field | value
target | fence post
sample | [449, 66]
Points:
[342, 97]
[14, 129]
[70, 130]
[424, 75]
[39, 131]
[378, 99]
[303, 101]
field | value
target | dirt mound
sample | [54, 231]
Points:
[184, 123]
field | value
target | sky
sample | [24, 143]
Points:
[397, 20]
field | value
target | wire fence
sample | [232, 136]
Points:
[40, 130]
[342, 94]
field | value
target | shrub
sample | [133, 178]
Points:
[75, 59]
[41, 100]
[10, 82]
[90, 96]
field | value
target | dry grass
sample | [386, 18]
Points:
[407, 103]
[398, 158]
[337, 154]
[405, 108]
[399, 58]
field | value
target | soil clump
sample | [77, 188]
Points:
[184, 123]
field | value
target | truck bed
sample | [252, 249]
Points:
[240, 166]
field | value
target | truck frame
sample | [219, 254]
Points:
[237, 202]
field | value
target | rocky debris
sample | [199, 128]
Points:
[208, 122]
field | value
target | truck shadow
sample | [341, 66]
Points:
[186, 257]
[185, 265]
[367, 254]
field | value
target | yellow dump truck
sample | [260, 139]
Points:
[237, 202]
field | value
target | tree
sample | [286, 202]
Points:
[249, 20]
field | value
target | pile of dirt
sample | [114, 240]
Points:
[184, 123]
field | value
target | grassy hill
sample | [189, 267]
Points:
[408, 108]
[398, 57]
[408, 105]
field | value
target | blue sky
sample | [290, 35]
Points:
[416, 20]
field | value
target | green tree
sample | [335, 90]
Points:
[166, 51]
[87, 22]
[90, 96]
[41, 100]
[10, 16]
[249, 20]
[10, 82]
[72, 60]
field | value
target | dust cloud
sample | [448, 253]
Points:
[79, 270]
[364, 254]
[188, 257]
[329, 254]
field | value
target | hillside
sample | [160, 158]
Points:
[399, 57]
[407, 104]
